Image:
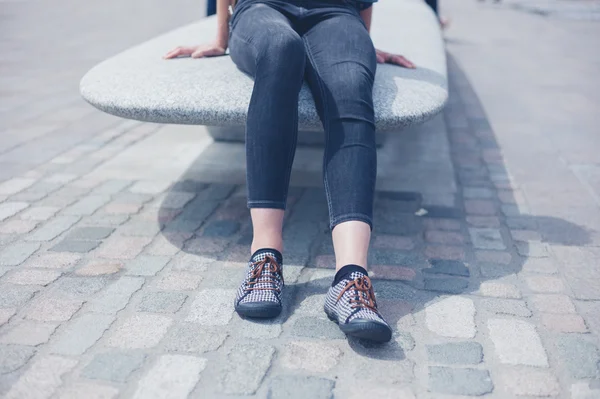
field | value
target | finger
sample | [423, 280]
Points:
[400, 60]
[208, 52]
[179, 51]
[380, 59]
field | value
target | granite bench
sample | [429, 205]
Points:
[138, 84]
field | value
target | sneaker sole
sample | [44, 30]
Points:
[365, 329]
[258, 310]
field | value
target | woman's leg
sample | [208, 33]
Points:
[264, 45]
[341, 74]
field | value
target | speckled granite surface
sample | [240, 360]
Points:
[139, 84]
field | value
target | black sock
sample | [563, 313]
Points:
[346, 271]
[270, 251]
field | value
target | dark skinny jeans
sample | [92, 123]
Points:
[280, 44]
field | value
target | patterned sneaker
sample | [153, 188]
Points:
[351, 304]
[260, 292]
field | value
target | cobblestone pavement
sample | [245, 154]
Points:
[114, 235]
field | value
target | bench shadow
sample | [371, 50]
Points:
[421, 254]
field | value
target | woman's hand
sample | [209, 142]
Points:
[205, 50]
[389, 58]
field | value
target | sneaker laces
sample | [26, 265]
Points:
[364, 297]
[256, 276]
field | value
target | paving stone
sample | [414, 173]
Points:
[42, 379]
[484, 221]
[575, 267]
[510, 337]
[80, 334]
[392, 272]
[38, 213]
[394, 242]
[113, 366]
[444, 237]
[116, 296]
[315, 357]
[61, 178]
[444, 252]
[579, 356]
[452, 317]
[506, 307]
[552, 303]
[501, 258]
[499, 290]
[525, 235]
[545, 284]
[449, 285]
[53, 228]
[15, 295]
[99, 268]
[179, 281]
[89, 390]
[102, 219]
[176, 200]
[526, 382]
[150, 187]
[451, 267]
[139, 228]
[480, 207]
[32, 277]
[13, 357]
[441, 224]
[458, 381]
[455, 353]
[163, 246]
[205, 245]
[112, 186]
[572, 323]
[221, 228]
[486, 238]
[246, 366]
[118, 208]
[444, 212]
[585, 390]
[193, 338]
[171, 377]
[6, 314]
[17, 253]
[539, 265]
[17, 226]
[477, 192]
[90, 233]
[365, 390]
[162, 302]
[139, 331]
[122, 247]
[78, 287]
[59, 260]
[144, 265]
[314, 327]
[532, 249]
[15, 185]
[394, 369]
[300, 387]
[29, 333]
[219, 312]
[75, 246]
[50, 308]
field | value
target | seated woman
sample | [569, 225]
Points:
[280, 44]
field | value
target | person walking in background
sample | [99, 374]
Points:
[281, 43]
[444, 22]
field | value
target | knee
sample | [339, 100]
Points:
[282, 51]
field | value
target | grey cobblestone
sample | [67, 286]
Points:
[113, 366]
[315, 357]
[445, 284]
[75, 246]
[87, 205]
[6, 314]
[77, 287]
[116, 247]
[456, 381]
[93, 233]
[316, 327]
[193, 338]
[13, 357]
[53, 228]
[146, 265]
[15, 295]
[456, 353]
[89, 390]
[579, 355]
[506, 307]
[110, 187]
[486, 238]
[221, 228]
[219, 312]
[116, 296]
[171, 377]
[179, 281]
[81, 334]
[245, 368]
[17, 226]
[300, 387]
[162, 302]
[42, 378]
[32, 277]
[450, 267]
[38, 213]
[139, 331]
[15, 185]
[452, 317]
[29, 333]
[15, 254]
[51, 308]
[530, 382]
[511, 336]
